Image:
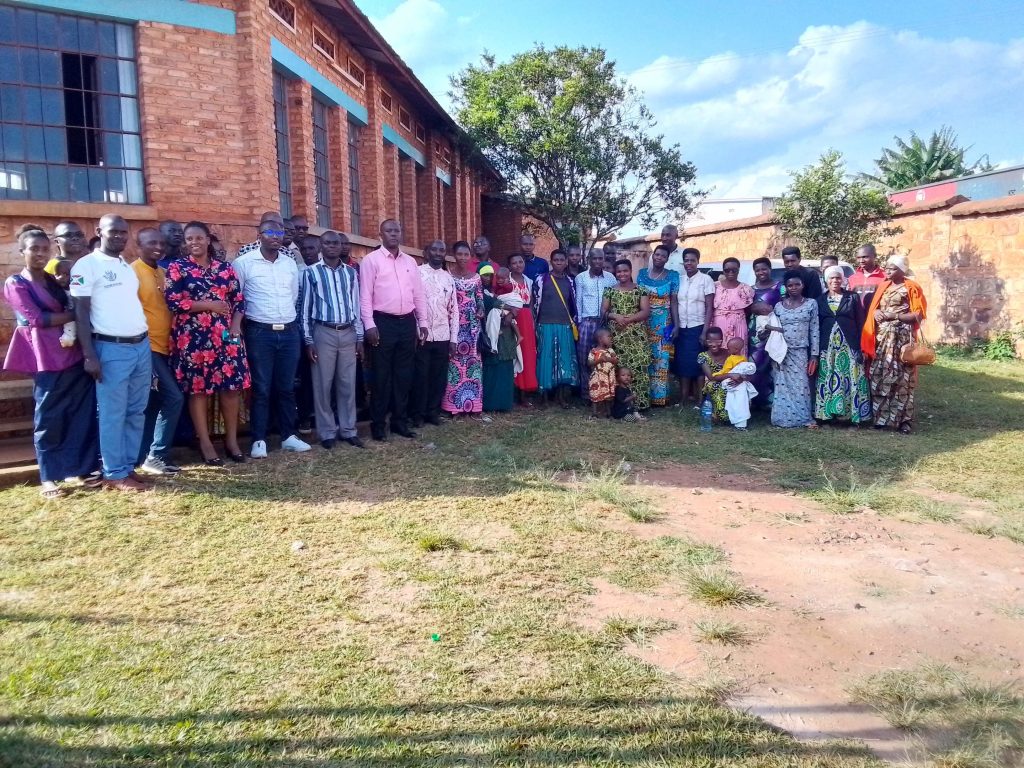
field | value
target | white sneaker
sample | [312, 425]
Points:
[259, 449]
[294, 444]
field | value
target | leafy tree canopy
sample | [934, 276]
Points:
[830, 214]
[914, 162]
[573, 141]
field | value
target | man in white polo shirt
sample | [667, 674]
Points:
[270, 283]
[113, 332]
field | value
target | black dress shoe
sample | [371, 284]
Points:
[327, 444]
[238, 458]
[416, 423]
[404, 432]
[380, 437]
[434, 420]
[355, 442]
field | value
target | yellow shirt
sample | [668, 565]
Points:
[731, 362]
[158, 316]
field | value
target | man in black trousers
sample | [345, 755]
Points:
[394, 318]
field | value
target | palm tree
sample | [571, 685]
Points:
[917, 162]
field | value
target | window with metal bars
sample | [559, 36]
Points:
[323, 43]
[321, 163]
[69, 109]
[284, 162]
[284, 11]
[355, 209]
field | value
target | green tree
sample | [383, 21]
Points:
[916, 162]
[573, 141]
[831, 214]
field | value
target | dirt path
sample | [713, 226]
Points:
[847, 596]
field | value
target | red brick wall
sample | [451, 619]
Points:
[208, 137]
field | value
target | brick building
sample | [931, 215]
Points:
[219, 110]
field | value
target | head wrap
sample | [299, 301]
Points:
[831, 272]
[901, 262]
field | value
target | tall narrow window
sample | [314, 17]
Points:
[69, 110]
[284, 162]
[321, 164]
[353, 177]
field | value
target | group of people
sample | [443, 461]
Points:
[118, 349]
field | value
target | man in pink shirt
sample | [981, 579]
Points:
[393, 307]
[866, 276]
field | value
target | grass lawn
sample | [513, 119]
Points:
[413, 605]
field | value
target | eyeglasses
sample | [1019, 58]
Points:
[69, 235]
[272, 232]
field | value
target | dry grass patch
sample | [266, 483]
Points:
[963, 722]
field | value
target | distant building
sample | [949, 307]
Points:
[979, 186]
[728, 209]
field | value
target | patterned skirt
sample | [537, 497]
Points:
[792, 404]
[464, 393]
[556, 357]
[842, 388]
[892, 382]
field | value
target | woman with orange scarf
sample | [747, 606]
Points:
[892, 323]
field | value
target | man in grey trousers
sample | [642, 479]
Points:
[332, 330]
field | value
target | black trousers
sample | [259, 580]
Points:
[430, 380]
[394, 360]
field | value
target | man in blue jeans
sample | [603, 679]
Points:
[269, 279]
[114, 337]
[165, 397]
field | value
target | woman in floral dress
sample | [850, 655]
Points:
[796, 317]
[662, 286]
[207, 354]
[893, 322]
[627, 307]
[731, 301]
[464, 393]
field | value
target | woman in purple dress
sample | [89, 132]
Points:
[65, 430]
[767, 293]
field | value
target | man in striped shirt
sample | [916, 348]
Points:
[332, 330]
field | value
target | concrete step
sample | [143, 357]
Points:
[17, 452]
[16, 406]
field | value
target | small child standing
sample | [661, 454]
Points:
[602, 361]
[62, 273]
[623, 407]
[738, 391]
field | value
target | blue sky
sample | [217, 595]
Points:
[752, 90]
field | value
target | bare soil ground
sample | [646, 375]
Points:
[844, 597]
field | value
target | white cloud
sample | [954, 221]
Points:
[421, 32]
[746, 120]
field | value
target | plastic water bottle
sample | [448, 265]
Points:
[706, 412]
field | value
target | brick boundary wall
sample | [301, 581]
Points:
[967, 255]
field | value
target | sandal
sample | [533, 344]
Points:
[906, 429]
[51, 493]
[93, 481]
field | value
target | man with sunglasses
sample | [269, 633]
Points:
[71, 245]
[269, 280]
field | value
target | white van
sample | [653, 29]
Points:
[714, 268]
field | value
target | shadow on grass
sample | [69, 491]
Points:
[959, 404]
[533, 731]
